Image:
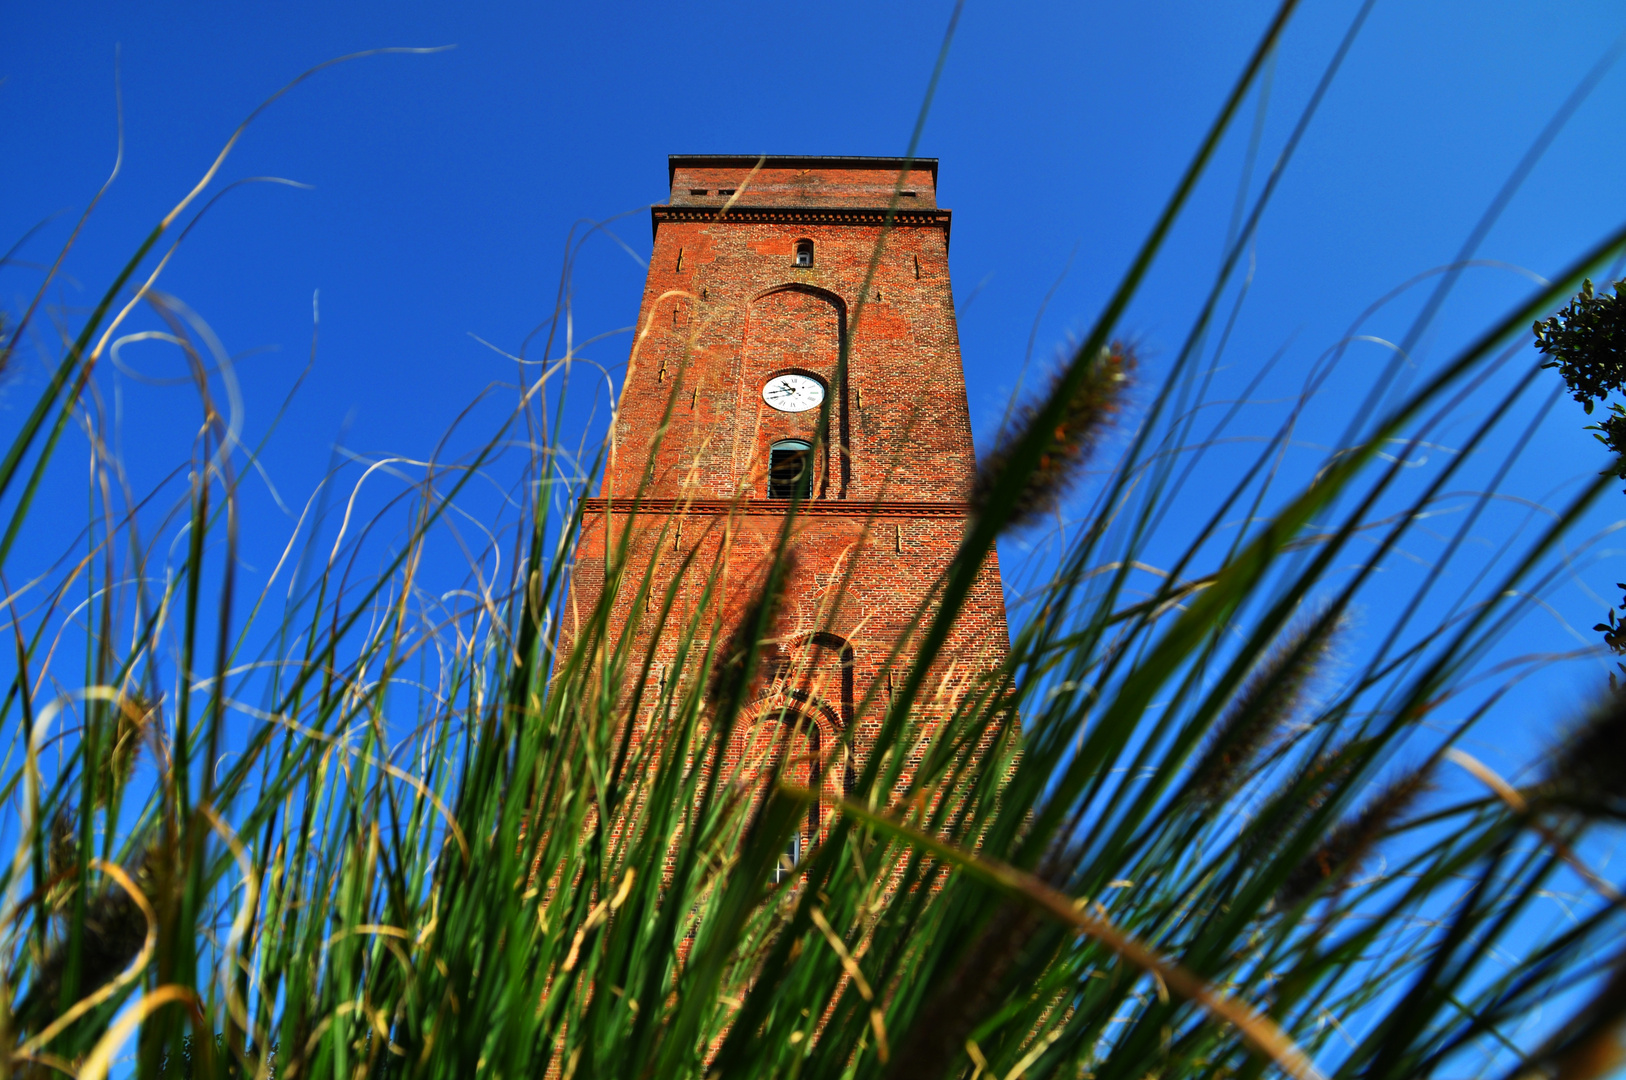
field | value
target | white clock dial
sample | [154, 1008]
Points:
[793, 393]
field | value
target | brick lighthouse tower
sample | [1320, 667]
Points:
[756, 284]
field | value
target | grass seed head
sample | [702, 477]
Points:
[1343, 851]
[936, 1040]
[63, 851]
[1591, 1045]
[1587, 771]
[1085, 417]
[733, 667]
[112, 934]
[1286, 811]
[120, 748]
[1271, 696]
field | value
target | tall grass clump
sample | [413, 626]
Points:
[413, 808]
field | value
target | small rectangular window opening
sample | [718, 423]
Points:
[790, 472]
[908, 194]
[788, 859]
[804, 253]
[697, 191]
[777, 664]
[726, 190]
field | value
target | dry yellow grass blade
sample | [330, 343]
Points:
[100, 1059]
[1258, 1029]
[50, 1061]
[400, 774]
[849, 964]
[1519, 805]
[739, 191]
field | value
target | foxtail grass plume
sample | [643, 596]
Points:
[111, 935]
[1587, 772]
[1085, 417]
[734, 666]
[936, 1040]
[122, 744]
[1271, 696]
[63, 852]
[960, 1004]
[1590, 1045]
[1286, 811]
[1349, 844]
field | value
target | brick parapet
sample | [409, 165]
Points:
[802, 181]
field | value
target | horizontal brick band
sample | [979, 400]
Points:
[804, 215]
[955, 511]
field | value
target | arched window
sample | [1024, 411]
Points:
[790, 470]
[804, 253]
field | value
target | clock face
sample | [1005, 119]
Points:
[793, 393]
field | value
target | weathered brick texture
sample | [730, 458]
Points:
[725, 309]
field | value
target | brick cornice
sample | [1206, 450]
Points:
[884, 508]
[804, 215]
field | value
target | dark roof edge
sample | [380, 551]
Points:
[746, 161]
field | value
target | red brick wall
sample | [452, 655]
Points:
[714, 286]
[724, 309]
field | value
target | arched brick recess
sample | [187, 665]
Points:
[795, 327]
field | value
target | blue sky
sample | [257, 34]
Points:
[443, 187]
